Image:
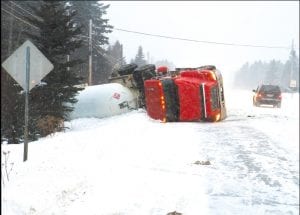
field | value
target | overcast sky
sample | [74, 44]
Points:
[270, 23]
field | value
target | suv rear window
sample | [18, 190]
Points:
[270, 88]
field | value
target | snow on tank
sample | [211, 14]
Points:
[103, 101]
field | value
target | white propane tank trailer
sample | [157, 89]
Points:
[103, 101]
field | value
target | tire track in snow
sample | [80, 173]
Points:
[251, 166]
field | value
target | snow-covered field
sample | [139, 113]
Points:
[133, 165]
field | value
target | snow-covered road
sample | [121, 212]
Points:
[133, 165]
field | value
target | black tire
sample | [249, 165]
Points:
[145, 72]
[138, 78]
[150, 67]
[127, 69]
[148, 74]
[141, 74]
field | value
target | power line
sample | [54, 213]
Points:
[111, 59]
[19, 18]
[148, 34]
[107, 57]
[202, 41]
[26, 11]
[104, 55]
[13, 9]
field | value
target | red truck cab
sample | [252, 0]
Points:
[195, 94]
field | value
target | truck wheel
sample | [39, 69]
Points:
[146, 67]
[127, 69]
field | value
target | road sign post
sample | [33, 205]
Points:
[27, 57]
[25, 155]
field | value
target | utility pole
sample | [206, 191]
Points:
[292, 61]
[121, 55]
[293, 83]
[292, 67]
[68, 56]
[90, 54]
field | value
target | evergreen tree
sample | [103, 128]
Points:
[12, 100]
[273, 72]
[291, 71]
[12, 111]
[140, 57]
[249, 76]
[101, 69]
[115, 52]
[92, 10]
[57, 39]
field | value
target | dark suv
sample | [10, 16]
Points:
[267, 95]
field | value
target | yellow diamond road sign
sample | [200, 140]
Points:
[15, 65]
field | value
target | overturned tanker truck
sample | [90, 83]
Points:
[183, 95]
[123, 94]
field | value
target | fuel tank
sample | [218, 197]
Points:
[103, 101]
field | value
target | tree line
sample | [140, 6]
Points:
[140, 60]
[286, 75]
